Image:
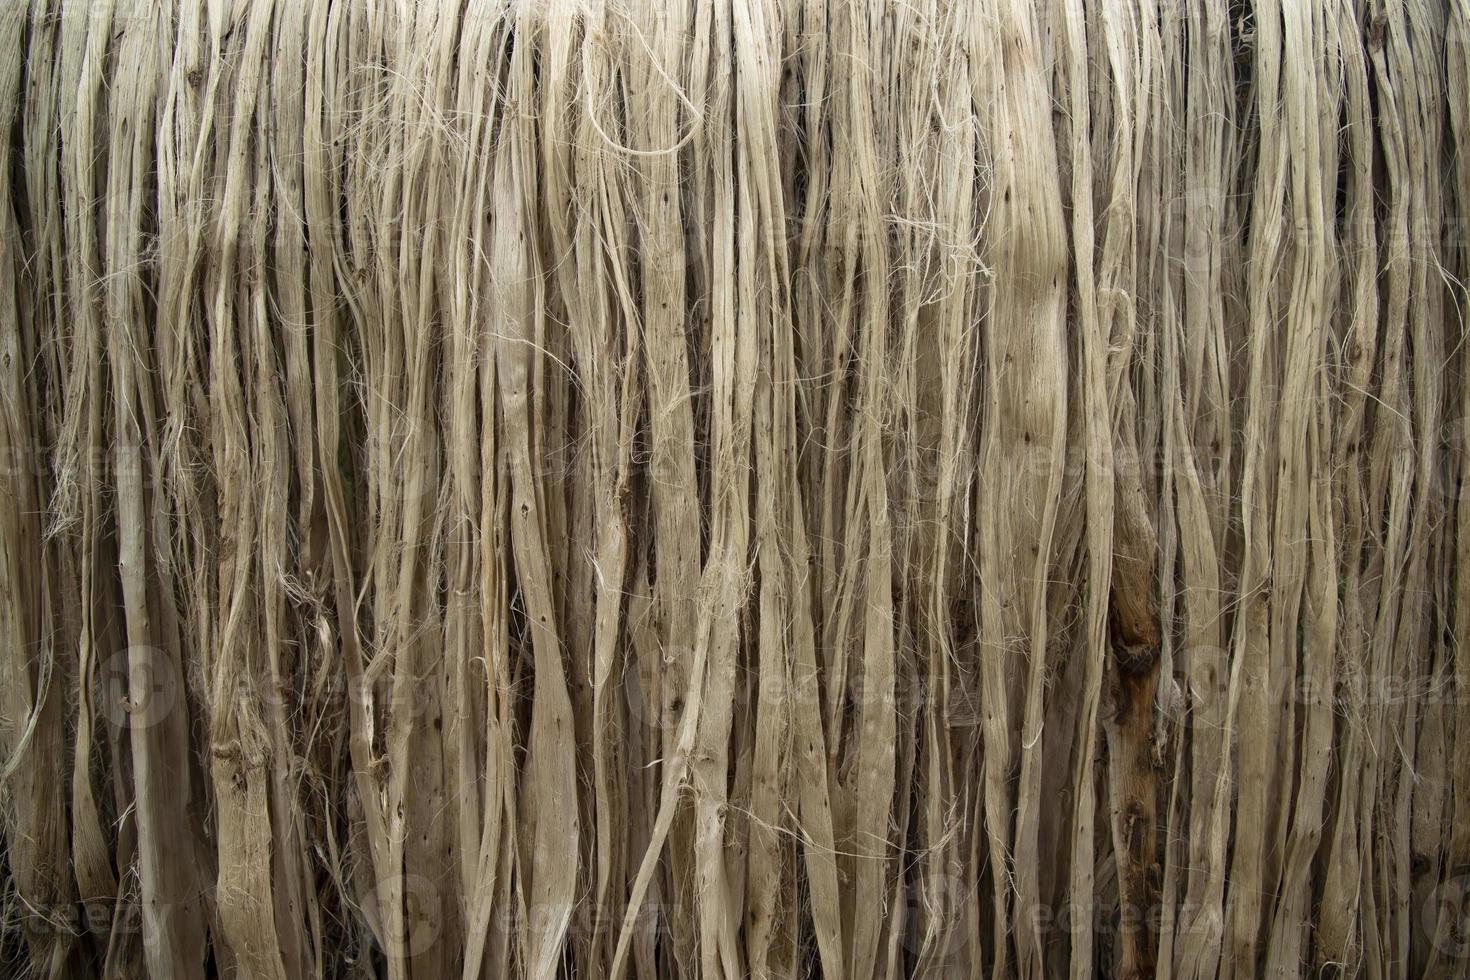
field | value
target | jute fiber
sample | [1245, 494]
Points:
[734, 488]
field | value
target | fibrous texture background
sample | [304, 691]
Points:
[615, 488]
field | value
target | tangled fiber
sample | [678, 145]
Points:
[843, 488]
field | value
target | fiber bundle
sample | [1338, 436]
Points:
[734, 488]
